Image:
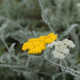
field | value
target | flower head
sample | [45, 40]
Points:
[61, 48]
[69, 43]
[58, 55]
[37, 45]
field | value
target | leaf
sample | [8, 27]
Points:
[68, 30]
[47, 52]
[27, 74]
[11, 49]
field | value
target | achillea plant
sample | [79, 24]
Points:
[61, 48]
[37, 45]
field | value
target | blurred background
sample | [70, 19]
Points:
[21, 20]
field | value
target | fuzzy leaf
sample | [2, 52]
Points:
[68, 30]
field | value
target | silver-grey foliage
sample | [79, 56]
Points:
[21, 20]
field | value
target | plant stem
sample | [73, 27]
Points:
[49, 25]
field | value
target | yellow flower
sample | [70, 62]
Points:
[50, 38]
[37, 45]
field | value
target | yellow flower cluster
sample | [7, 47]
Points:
[37, 45]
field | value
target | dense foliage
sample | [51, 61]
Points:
[21, 20]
